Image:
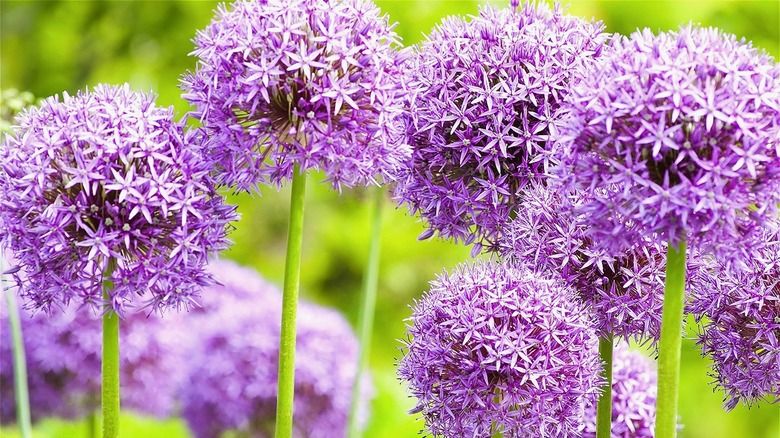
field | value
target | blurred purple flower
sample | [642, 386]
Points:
[634, 393]
[676, 137]
[739, 315]
[625, 292]
[311, 82]
[484, 97]
[101, 175]
[64, 363]
[492, 348]
[234, 363]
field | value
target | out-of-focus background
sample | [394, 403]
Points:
[47, 47]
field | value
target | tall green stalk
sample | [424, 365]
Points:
[367, 309]
[292, 280]
[670, 343]
[110, 388]
[19, 360]
[604, 407]
[92, 422]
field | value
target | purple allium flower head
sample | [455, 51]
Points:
[484, 95]
[676, 137]
[107, 175]
[64, 363]
[634, 393]
[234, 364]
[311, 82]
[492, 347]
[739, 315]
[624, 291]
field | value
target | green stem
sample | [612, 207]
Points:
[19, 360]
[292, 279]
[670, 343]
[604, 407]
[91, 424]
[496, 431]
[367, 310]
[110, 389]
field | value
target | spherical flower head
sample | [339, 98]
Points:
[624, 291]
[482, 113]
[308, 82]
[103, 178]
[234, 364]
[739, 315]
[63, 354]
[634, 393]
[676, 137]
[495, 348]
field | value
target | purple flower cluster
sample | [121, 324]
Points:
[634, 393]
[101, 176]
[233, 366]
[676, 137]
[483, 110]
[493, 348]
[739, 313]
[625, 292]
[64, 363]
[309, 82]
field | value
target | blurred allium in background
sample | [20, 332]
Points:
[625, 292]
[633, 396]
[63, 363]
[492, 348]
[106, 175]
[233, 364]
[684, 128]
[483, 111]
[739, 315]
[299, 81]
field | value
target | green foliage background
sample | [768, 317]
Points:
[47, 47]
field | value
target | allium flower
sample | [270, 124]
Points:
[107, 175]
[234, 364]
[633, 396]
[493, 348]
[64, 363]
[484, 97]
[311, 82]
[739, 313]
[12, 102]
[625, 292]
[676, 137]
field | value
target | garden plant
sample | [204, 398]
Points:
[594, 190]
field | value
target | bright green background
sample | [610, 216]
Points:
[48, 47]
